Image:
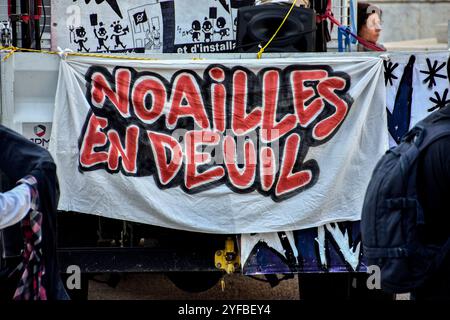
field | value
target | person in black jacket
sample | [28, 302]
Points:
[433, 183]
[21, 158]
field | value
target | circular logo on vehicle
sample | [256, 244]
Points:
[40, 130]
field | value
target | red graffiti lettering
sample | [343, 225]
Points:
[218, 102]
[101, 89]
[129, 154]
[267, 168]
[138, 114]
[242, 122]
[167, 168]
[302, 94]
[194, 159]
[326, 89]
[271, 129]
[187, 102]
[240, 178]
[143, 87]
[93, 138]
[289, 181]
[218, 99]
[217, 74]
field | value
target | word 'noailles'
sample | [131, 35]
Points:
[136, 118]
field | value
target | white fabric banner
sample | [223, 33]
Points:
[219, 146]
[416, 85]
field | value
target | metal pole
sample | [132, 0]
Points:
[26, 31]
[448, 34]
[13, 22]
[36, 22]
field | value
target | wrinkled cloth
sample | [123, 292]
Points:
[32, 267]
[217, 204]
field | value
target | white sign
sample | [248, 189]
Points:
[38, 133]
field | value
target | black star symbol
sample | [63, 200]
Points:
[433, 73]
[389, 75]
[439, 102]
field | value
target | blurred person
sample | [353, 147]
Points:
[34, 275]
[433, 183]
[405, 218]
[369, 25]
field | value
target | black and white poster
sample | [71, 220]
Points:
[150, 26]
[108, 26]
[206, 27]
